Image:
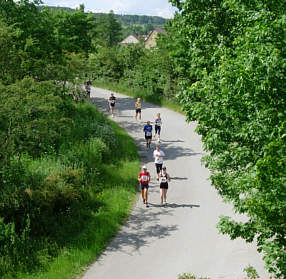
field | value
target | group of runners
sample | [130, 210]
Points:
[163, 177]
[144, 176]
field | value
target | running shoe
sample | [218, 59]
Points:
[147, 204]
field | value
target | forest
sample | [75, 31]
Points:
[222, 63]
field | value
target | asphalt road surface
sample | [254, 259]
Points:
[162, 242]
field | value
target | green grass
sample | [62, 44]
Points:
[78, 245]
[73, 260]
[136, 93]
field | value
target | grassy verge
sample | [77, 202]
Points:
[77, 240]
[136, 93]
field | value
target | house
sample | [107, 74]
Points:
[151, 40]
[143, 37]
[131, 39]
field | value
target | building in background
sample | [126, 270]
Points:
[131, 39]
[151, 40]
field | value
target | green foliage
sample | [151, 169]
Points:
[251, 273]
[10, 56]
[138, 24]
[140, 69]
[74, 31]
[55, 149]
[58, 188]
[189, 276]
[109, 30]
[231, 60]
[33, 118]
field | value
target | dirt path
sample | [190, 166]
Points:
[162, 242]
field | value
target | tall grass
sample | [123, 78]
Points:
[95, 172]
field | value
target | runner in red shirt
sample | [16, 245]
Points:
[144, 178]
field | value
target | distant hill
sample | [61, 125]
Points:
[126, 20]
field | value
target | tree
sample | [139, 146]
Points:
[109, 30]
[75, 31]
[10, 55]
[234, 87]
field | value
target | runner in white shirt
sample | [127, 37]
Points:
[158, 155]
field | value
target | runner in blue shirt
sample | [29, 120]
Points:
[148, 133]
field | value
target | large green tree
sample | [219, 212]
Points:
[75, 30]
[109, 30]
[232, 63]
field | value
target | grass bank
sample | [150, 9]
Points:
[102, 165]
[123, 88]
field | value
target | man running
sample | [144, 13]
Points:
[87, 87]
[144, 178]
[138, 108]
[148, 133]
[158, 154]
[158, 123]
[164, 179]
[112, 100]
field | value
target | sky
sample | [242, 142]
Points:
[135, 7]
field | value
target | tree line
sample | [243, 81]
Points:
[137, 24]
[231, 56]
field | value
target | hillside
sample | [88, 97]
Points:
[126, 20]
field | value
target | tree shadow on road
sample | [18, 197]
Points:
[179, 178]
[142, 228]
[175, 205]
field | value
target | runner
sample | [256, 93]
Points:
[87, 88]
[158, 123]
[158, 154]
[112, 100]
[148, 133]
[88, 83]
[144, 178]
[164, 179]
[138, 108]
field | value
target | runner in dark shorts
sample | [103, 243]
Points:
[87, 88]
[148, 133]
[112, 100]
[158, 155]
[138, 108]
[144, 178]
[158, 123]
[164, 179]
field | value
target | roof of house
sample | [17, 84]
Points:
[125, 41]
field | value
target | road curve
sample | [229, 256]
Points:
[162, 242]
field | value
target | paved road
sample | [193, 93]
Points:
[158, 242]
